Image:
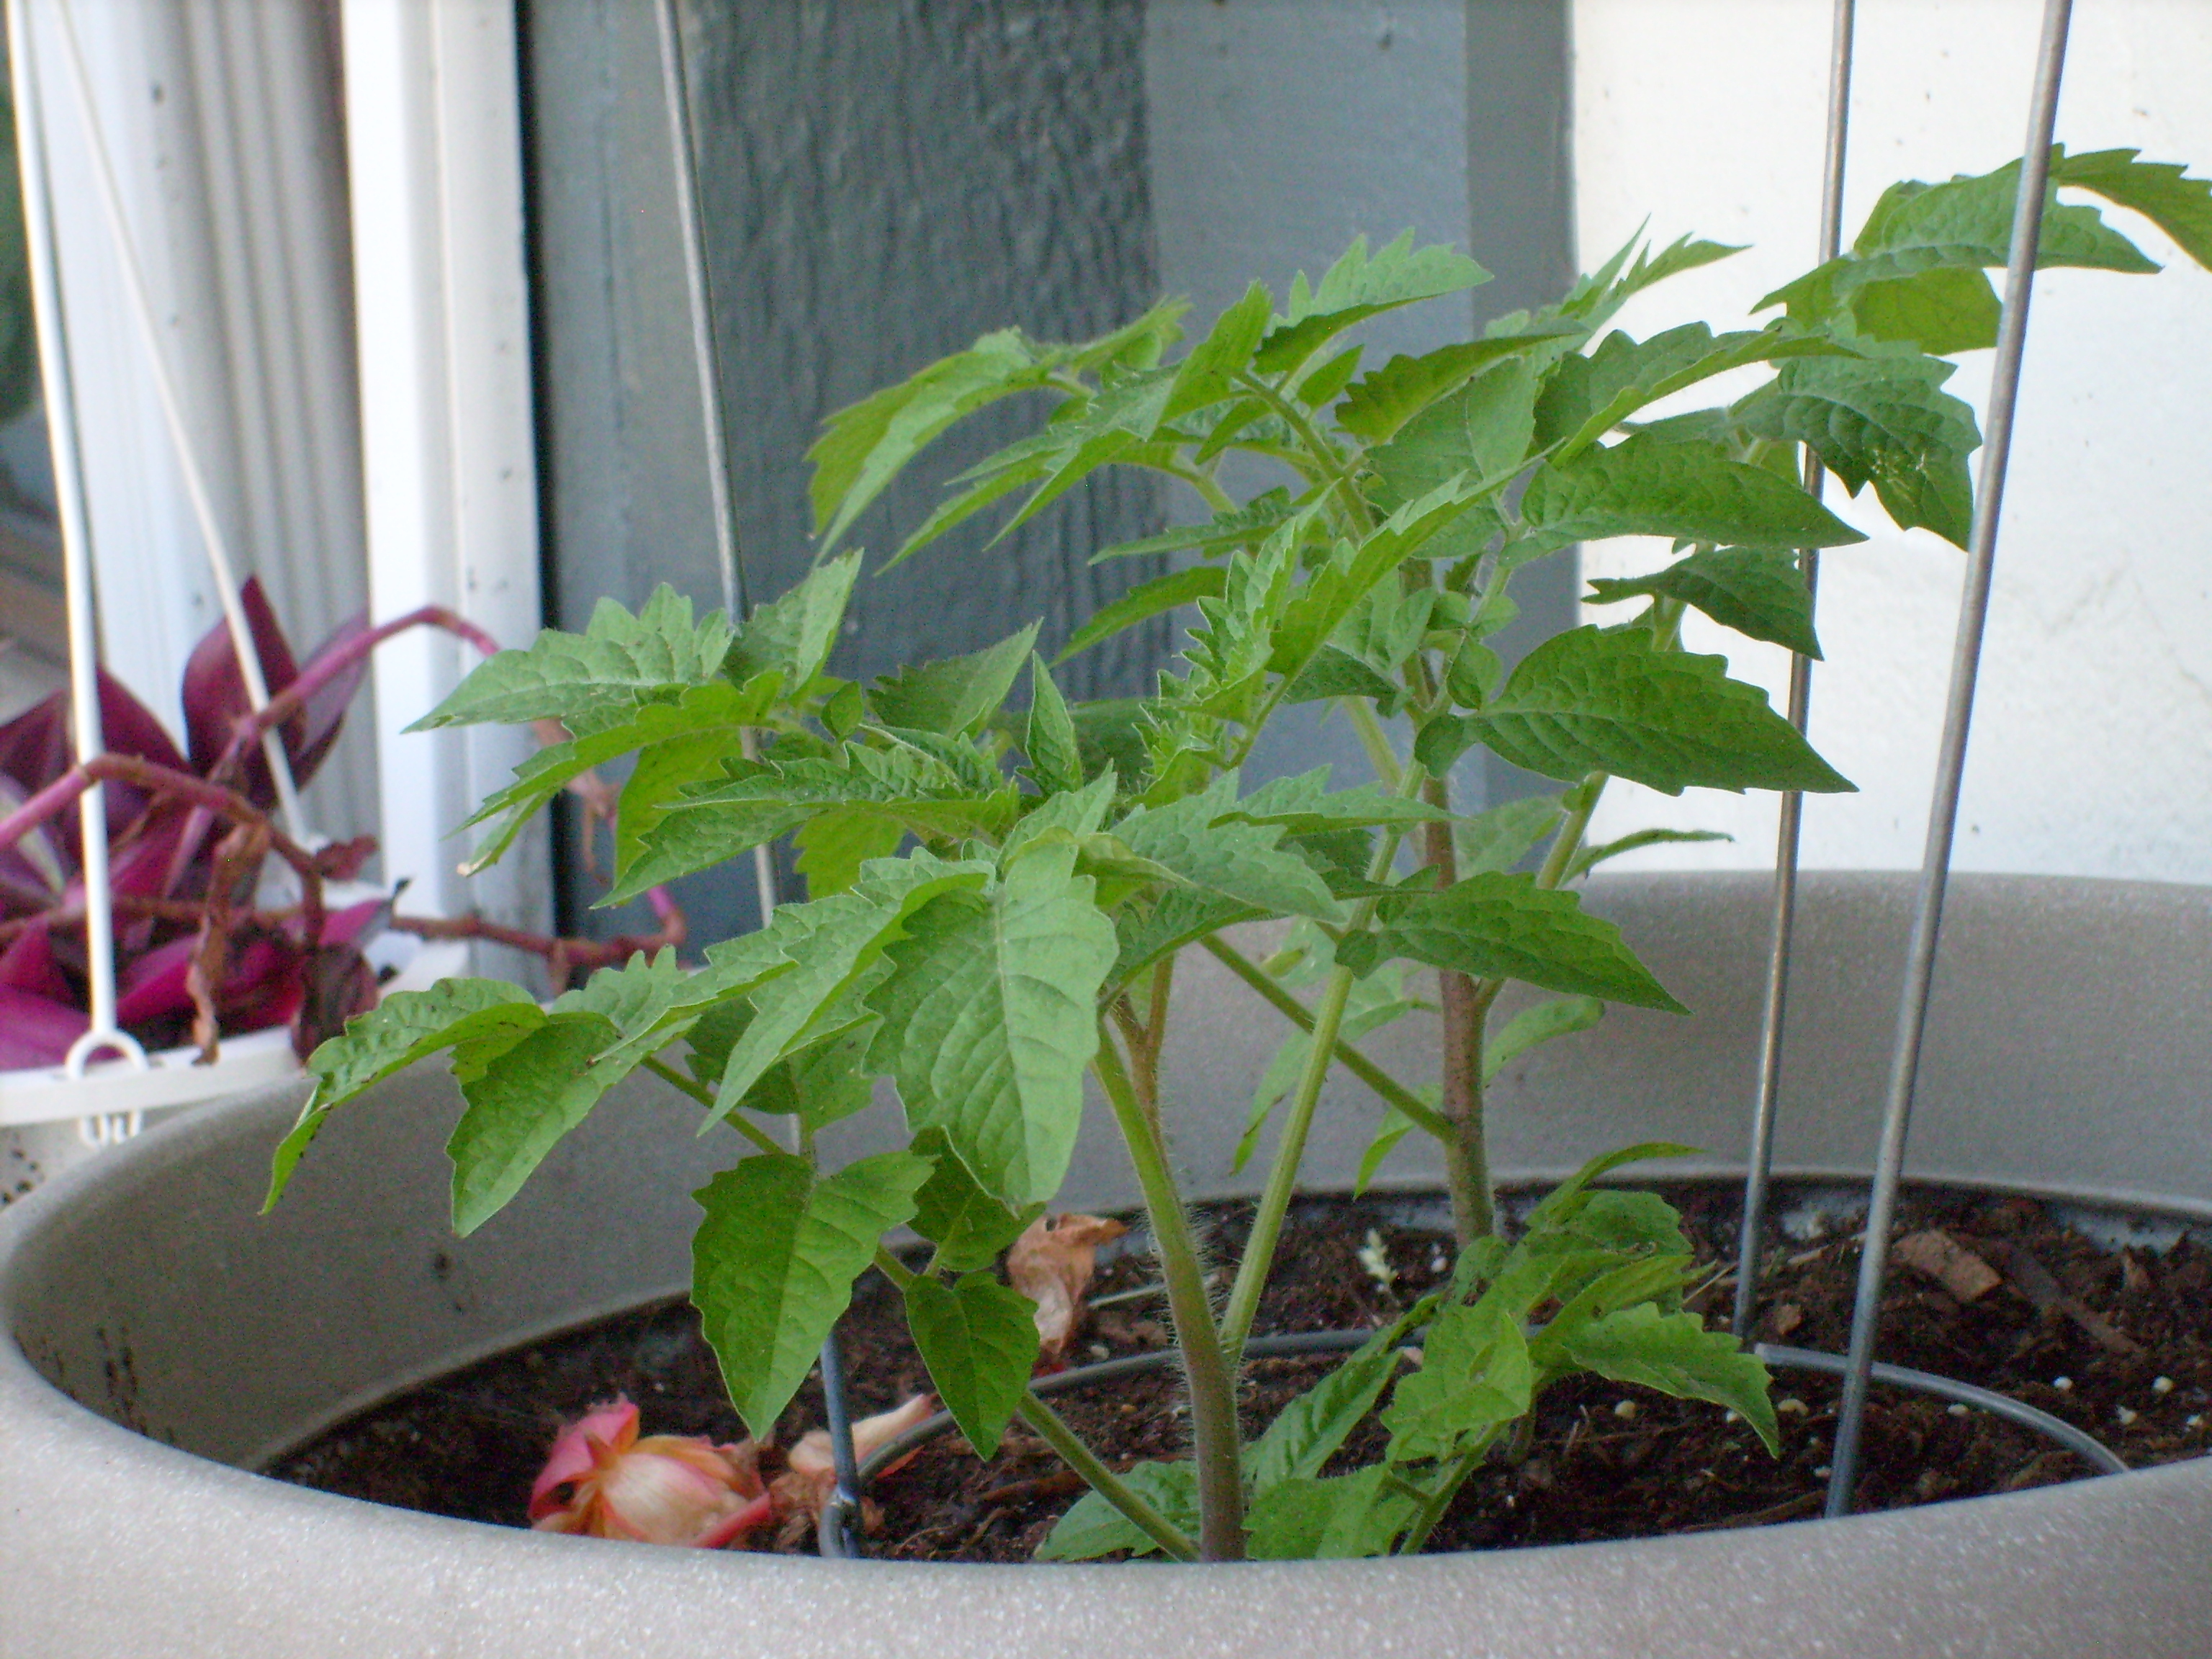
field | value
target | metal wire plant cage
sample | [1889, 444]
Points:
[1857, 1367]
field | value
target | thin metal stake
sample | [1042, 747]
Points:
[101, 1033]
[1761, 1159]
[1957, 719]
[216, 546]
[845, 1502]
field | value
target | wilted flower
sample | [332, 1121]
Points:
[605, 1482]
[811, 1475]
[1051, 1264]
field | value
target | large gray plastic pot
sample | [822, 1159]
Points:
[163, 1341]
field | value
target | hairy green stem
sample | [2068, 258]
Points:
[1298, 1123]
[1569, 841]
[895, 1270]
[1373, 739]
[1349, 1057]
[1463, 1015]
[1437, 1501]
[1325, 453]
[1051, 1428]
[705, 1097]
[1209, 492]
[1206, 1371]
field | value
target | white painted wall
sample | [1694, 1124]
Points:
[433, 120]
[2092, 747]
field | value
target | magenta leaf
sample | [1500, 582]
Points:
[154, 985]
[27, 964]
[214, 690]
[32, 871]
[35, 1030]
[34, 747]
[325, 713]
[262, 987]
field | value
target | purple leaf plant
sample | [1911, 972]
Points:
[198, 956]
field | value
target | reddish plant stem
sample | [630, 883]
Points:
[562, 956]
[245, 734]
[158, 910]
[156, 779]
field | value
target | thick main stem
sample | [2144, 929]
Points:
[1463, 1015]
[1207, 1369]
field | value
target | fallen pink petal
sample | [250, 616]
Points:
[601, 1480]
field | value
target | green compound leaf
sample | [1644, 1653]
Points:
[1690, 492]
[1943, 310]
[774, 1262]
[524, 1096]
[1757, 592]
[1302, 805]
[604, 672]
[709, 718]
[1143, 602]
[1586, 397]
[1500, 838]
[1590, 701]
[657, 779]
[1179, 916]
[1308, 1432]
[945, 790]
[1916, 270]
[968, 1225]
[953, 698]
[1341, 1517]
[831, 944]
[833, 848]
[1475, 1377]
[1481, 431]
[863, 447]
[1540, 1025]
[1093, 1527]
[521, 1103]
[407, 1026]
[978, 1340]
[1247, 526]
[2160, 190]
[1968, 219]
[793, 636]
[989, 1017]
[1356, 288]
[1496, 926]
[1208, 374]
[1885, 420]
[1379, 404]
[1673, 1352]
[1055, 750]
[1194, 838]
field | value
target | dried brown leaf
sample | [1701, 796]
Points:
[1051, 1264]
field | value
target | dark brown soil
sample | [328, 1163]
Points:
[2112, 1332]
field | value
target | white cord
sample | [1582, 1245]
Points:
[100, 1031]
[142, 306]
